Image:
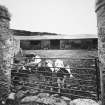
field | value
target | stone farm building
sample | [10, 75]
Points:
[56, 45]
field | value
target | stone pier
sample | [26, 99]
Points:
[6, 52]
[100, 11]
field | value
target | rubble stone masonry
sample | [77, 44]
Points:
[6, 52]
[100, 11]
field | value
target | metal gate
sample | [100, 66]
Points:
[84, 82]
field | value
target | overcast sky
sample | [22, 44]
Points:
[58, 16]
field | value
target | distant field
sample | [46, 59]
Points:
[63, 53]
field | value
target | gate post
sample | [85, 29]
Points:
[100, 10]
[6, 52]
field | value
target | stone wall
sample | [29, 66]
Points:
[6, 52]
[100, 10]
[16, 45]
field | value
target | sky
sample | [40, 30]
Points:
[55, 16]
